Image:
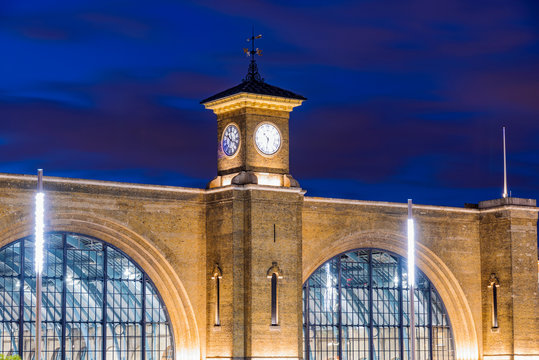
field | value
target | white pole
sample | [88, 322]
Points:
[39, 241]
[411, 276]
[504, 166]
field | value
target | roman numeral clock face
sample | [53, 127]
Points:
[231, 140]
[267, 139]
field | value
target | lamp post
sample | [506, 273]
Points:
[38, 254]
[411, 276]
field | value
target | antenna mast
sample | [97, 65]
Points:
[504, 166]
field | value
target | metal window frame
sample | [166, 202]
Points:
[450, 353]
[145, 279]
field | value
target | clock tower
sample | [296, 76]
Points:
[252, 131]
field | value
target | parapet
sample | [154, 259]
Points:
[488, 204]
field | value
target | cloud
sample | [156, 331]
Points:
[126, 129]
[402, 95]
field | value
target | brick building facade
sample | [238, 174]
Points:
[254, 228]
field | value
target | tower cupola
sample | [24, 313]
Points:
[252, 130]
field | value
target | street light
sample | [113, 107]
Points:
[411, 276]
[38, 254]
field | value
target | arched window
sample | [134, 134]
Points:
[274, 305]
[356, 306]
[494, 284]
[217, 276]
[274, 273]
[97, 303]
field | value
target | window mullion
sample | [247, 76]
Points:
[143, 318]
[339, 306]
[64, 295]
[104, 311]
[21, 299]
[430, 321]
[371, 315]
[401, 311]
[307, 316]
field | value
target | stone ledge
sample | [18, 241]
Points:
[488, 204]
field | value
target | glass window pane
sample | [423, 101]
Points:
[78, 284]
[357, 307]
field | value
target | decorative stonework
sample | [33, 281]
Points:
[274, 269]
[217, 273]
[243, 100]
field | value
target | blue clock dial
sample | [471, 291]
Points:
[231, 140]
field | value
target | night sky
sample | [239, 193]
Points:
[406, 98]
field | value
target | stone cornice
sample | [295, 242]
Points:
[417, 206]
[29, 181]
[242, 100]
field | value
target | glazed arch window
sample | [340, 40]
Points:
[274, 273]
[97, 303]
[356, 306]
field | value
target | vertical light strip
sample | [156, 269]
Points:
[40, 225]
[411, 278]
[38, 255]
[411, 251]
[329, 290]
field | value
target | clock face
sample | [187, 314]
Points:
[267, 139]
[231, 140]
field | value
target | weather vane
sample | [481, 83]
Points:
[252, 74]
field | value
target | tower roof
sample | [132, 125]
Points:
[253, 86]
[253, 82]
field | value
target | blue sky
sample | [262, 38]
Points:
[405, 99]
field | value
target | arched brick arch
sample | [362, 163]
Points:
[142, 251]
[458, 309]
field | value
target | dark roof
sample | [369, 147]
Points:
[255, 87]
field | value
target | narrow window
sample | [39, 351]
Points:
[217, 276]
[494, 284]
[274, 273]
[274, 310]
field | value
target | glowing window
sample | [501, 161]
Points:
[356, 306]
[96, 302]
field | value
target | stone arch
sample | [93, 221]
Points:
[458, 309]
[182, 317]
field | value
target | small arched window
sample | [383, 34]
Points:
[494, 284]
[274, 273]
[217, 276]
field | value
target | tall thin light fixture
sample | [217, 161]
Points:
[504, 166]
[411, 276]
[38, 254]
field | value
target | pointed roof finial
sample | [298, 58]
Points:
[252, 73]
